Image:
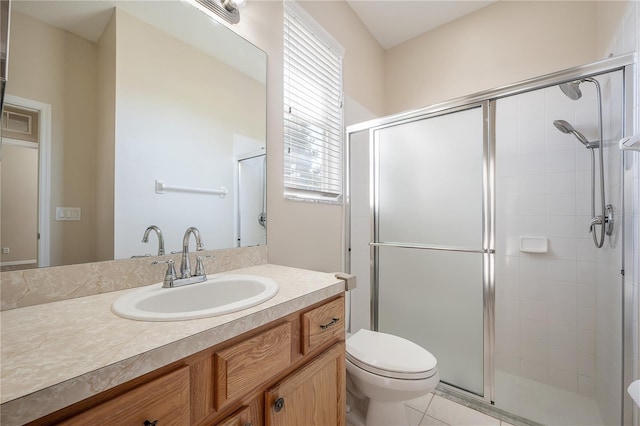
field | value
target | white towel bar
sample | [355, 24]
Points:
[161, 187]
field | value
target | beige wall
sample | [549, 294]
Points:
[302, 234]
[106, 141]
[41, 69]
[503, 43]
[79, 158]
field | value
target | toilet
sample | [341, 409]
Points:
[385, 371]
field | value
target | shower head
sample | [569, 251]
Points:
[566, 127]
[572, 90]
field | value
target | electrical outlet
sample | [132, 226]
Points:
[6, 250]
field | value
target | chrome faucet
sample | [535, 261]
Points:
[185, 264]
[171, 279]
[145, 238]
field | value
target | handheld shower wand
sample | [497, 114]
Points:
[566, 127]
[605, 218]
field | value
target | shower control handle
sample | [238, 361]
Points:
[595, 221]
[607, 221]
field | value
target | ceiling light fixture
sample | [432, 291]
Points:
[225, 9]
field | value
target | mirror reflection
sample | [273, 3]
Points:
[123, 115]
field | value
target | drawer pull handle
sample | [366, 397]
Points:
[148, 423]
[329, 324]
[278, 404]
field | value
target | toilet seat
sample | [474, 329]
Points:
[390, 356]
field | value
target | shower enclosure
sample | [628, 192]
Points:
[474, 221]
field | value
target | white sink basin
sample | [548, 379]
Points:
[220, 294]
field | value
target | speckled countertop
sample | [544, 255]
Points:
[59, 353]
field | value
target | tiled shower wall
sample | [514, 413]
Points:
[546, 303]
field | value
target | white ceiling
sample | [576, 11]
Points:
[395, 21]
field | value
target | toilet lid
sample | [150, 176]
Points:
[389, 355]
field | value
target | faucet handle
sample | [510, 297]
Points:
[200, 266]
[170, 276]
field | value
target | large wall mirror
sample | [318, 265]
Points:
[124, 114]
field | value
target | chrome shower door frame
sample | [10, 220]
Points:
[488, 98]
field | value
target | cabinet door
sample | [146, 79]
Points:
[246, 365]
[312, 396]
[164, 401]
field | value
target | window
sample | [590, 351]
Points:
[313, 123]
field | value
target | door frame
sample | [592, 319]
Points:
[44, 172]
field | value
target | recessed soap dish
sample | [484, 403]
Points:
[534, 244]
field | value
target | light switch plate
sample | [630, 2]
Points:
[68, 213]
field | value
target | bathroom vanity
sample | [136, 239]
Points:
[278, 363]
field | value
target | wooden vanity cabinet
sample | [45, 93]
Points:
[290, 372]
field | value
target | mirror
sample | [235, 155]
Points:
[143, 113]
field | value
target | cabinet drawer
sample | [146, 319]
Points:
[322, 324]
[244, 366]
[165, 399]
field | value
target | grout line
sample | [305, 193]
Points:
[422, 416]
[433, 395]
[434, 417]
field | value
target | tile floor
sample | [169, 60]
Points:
[543, 403]
[434, 410]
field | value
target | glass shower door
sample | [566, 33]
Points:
[431, 256]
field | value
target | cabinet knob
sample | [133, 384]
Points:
[148, 423]
[278, 404]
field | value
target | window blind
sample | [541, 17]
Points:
[313, 116]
